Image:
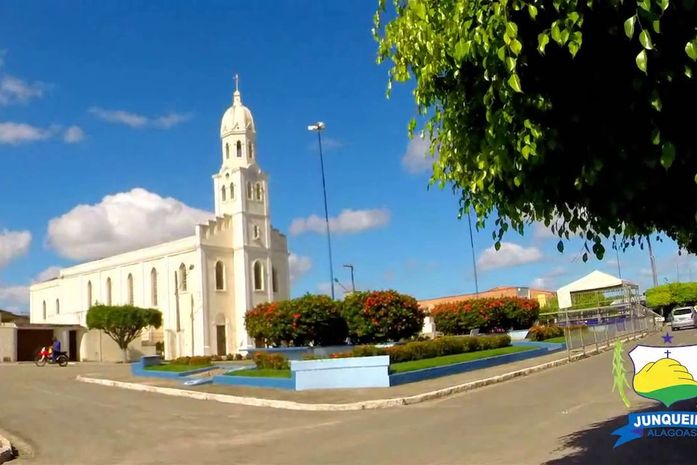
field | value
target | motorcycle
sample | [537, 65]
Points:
[45, 355]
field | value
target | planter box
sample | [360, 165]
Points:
[138, 369]
[353, 372]
[298, 353]
[253, 381]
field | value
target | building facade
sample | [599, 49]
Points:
[203, 284]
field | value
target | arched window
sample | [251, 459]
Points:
[182, 277]
[89, 294]
[274, 279]
[223, 193]
[258, 276]
[108, 291]
[249, 190]
[129, 290]
[232, 190]
[219, 276]
[256, 232]
[249, 150]
[153, 287]
[58, 307]
[227, 150]
[44, 309]
[239, 149]
[259, 192]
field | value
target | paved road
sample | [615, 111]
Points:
[557, 417]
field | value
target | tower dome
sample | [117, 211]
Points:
[237, 118]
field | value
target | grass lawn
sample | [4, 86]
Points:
[556, 340]
[263, 373]
[176, 368]
[457, 358]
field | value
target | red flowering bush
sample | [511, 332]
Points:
[489, 315]
[311, 319]
[273, 361]
[381, 316]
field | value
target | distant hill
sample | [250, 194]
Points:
[9, 317]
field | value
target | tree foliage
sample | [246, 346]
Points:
[575, 113]
[122, 323]
[672, 295]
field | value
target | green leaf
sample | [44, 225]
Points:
[656, 103]
[556, 33]
[645, 40]
[516, 46]
[510, 63]
[641, 60]
[644, 5]
[691, 50]
[629, 26]
[656, 137]
[688, 71]
[585, 257]
[511, 29]
[514, 82]
[560, 246]
[667, 155]
[574, 17]
[462, 48]
[656, 26]
[419, 8]
[517, 181]
[663, 4]
[695, 178]
[542, 41]
[573, 48]
[501, 53]
[532, 11]
[497, 245]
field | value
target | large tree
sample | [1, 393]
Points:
[575, 113]
[122, 323]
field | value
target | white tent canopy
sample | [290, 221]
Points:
[596, 280]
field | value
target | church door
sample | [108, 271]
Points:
[220, 333]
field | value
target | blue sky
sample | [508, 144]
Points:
[100, 98]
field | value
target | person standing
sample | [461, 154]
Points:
[56, 348]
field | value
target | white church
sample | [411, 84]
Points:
[203, 284]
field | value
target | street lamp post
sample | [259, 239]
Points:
[353, 284]
[474, 261]
[319, 127]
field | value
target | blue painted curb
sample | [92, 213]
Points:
[275, 383]
[139, 371]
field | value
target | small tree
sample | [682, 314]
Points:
[122, 323]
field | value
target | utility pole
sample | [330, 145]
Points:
[474, 261]
[619, 269]
[353, 283]
[653, 262]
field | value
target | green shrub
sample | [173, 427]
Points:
[382, 316]
[196, 360]
[542, 332]
[310, 319]
[273, 361]
[487, 315]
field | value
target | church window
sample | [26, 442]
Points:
[259, 191]
[257, 232]
[58, 307]
[153, 287]
[227, 150]
[249, 190]
[274, 279]
[44, 310]
[223, 193]
[232, 191]
[249, 150]
[258, 276]
[129, 290]
[89, 294]
[239, 149]
[219, 276]
[182, 277]
[108, 291]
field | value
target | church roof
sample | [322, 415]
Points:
[237, 117]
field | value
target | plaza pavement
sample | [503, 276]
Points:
[560, 416]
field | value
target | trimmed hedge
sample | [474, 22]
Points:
[488, 315]
[448, 345]
[197, 360]
[382, 316]
[272, 361]
[542, 332]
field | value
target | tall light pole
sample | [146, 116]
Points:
[653, 262]
[319, 127]
[353, 283]
[474, 262]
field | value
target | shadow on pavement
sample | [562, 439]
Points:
[595, 444]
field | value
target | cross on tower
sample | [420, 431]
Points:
[667, 352]
[237, 82]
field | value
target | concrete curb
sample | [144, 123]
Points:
[363, 405]
[6, 451]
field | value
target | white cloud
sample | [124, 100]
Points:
[49, 273]
[73, 134]
[540, 231]
[298, 266]
[122, 222]
[135, 120]
[416, 158]
[508, 255]
[17, 133]
[326, 289]
[14, 298]
[348, 222]
[15, 90]
[13, 244]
